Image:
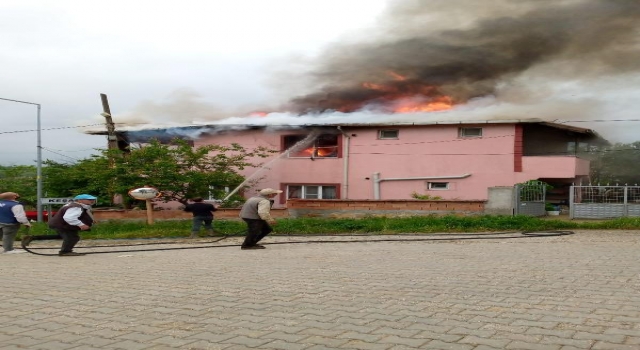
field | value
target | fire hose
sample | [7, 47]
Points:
[400, 238]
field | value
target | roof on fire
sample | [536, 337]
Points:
[122, 128]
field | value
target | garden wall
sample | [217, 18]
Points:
[171, 214]
[321, 208]
[397, 208]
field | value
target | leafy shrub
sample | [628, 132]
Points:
[424, 197]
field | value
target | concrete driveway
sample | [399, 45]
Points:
[571, 292]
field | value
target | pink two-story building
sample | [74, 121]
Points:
[455, 161]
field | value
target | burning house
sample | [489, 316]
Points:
[448, 160]
[448, 101]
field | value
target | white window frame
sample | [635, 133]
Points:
[210, 193]
[437, 187]
[313, 146]
[381, 137]
[303, 195]
[466, 132]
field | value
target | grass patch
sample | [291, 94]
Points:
[370, 225]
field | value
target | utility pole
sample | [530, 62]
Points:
[115, 141]
[112, 138]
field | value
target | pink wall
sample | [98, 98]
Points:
[420, 151]
[426, 151]
[555, 166]
[278, 170]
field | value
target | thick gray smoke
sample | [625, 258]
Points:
[573, 61]
[466, 49]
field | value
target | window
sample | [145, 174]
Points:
[470, 132]
[217, 192]
[577, 147]
[388, 134]
[438, 185]
[312, 192]
[324, 146]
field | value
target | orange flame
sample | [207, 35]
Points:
[405, 97]
[442, 103]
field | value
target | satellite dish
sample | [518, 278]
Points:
[144, 193]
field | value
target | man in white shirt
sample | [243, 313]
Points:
[68, 222]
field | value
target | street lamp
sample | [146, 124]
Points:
[39, 162]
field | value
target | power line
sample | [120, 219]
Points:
[60, 154]
[59, 128]
[76, 150]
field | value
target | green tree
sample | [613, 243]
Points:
[85, 176]
[616, 164]
[22, 180]
[178, 170]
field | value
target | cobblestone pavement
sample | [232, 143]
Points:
[571, 292]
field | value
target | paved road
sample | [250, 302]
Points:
[571, 292]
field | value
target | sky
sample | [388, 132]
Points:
[171, 63]
[178, 59]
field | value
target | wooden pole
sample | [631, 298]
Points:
[149, 211]
[112, 139]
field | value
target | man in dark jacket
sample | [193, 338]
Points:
[202, 213]
[68, 222]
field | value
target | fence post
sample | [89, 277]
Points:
[572, 206]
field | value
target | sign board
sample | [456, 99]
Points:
[144, 193]
[56, 200]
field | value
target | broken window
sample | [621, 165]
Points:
[324, 146]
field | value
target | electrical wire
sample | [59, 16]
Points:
[410, 143]
[60, 154]
[59, 128]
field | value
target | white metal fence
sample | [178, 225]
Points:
[602, 202]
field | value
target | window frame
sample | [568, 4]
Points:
[381, 137]
[462, 132]
[286, 186]
[314, 154]
[430, 186]
[227, 189]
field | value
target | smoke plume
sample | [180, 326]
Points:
[465, 60]
[465, 49]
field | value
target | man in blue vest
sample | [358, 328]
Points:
[11, 216]
[68, 222]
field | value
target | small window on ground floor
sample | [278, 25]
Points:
[437, 185]
[312, 192]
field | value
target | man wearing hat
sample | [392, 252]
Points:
[68, 222]
[256, 212]
[11, 216]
